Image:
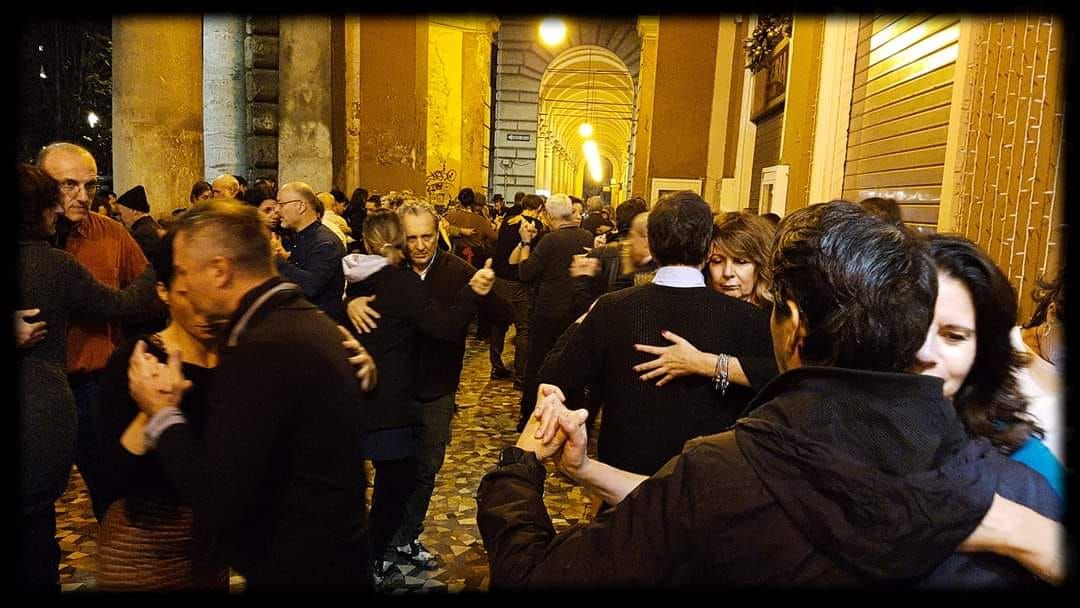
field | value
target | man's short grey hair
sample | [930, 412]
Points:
[595, 203]
[418, 208]
[230, 229]
[61, 146]
[559, 207]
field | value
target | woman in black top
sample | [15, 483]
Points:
[738, 266]
[147, 539]
[53, 285]
[406, 309]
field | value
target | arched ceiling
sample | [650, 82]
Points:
[589, 83]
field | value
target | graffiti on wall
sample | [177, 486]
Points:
[439, 185]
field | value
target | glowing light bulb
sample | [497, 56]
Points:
[585, 130]
[552, 31]
[93, 119]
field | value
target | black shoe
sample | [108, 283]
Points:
[418, 555]
[387, 576]
[519, 384]
[502, 373]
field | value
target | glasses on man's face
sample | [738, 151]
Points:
[70, 186]
[278, 205]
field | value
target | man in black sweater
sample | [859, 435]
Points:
[438, 362]
[547, 271]
[276, 482]
[643, 425]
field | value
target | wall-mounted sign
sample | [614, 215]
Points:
[518, 136]
[770, 83]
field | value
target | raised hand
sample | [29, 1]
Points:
[28, 334]
[484, 279]
[276, 247]
[362, 314]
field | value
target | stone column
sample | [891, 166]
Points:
[351, 99]
[224, 96]
[649, 30]
[557, 163]
[541, 164]
[157, 107]
[679, 141]
[304, 144]
[444, 115]
[386, 100]
[800, 106]
[476, 59]
[727, 47]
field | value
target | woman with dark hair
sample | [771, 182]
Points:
[52, 286]
[147, 541]
[201, 191]
[738, 266]
[406, 308]
[968, 346]
[355, 212]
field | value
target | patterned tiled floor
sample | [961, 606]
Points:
[484, 424]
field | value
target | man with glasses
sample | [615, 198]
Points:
[314, 263]
[114, 258]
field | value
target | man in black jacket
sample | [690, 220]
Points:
[546, 270]
[276, 481]
[314, 262]
[847, 471]
[134, 212]
[438, 362]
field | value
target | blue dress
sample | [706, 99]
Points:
[1036, 455]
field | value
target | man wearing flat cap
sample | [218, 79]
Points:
[134, 211]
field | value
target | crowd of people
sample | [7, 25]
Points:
[826, 399]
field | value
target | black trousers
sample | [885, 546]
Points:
[544, 332]
[37, 566]
[87, 390]
[395, 481]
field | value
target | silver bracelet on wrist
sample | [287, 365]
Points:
[720, 376]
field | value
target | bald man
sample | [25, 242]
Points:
[314, 262]
[114, 258]
[225, 186]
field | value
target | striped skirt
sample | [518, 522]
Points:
[146, 544]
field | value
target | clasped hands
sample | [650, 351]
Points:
[555, 432]
[155, 385]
